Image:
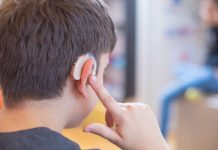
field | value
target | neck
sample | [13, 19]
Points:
[33, 115]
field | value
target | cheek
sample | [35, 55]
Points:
[100, 77]
[93, 96]
[92, 99]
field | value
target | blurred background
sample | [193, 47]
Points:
[166, 56]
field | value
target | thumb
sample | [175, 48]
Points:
[104, 131]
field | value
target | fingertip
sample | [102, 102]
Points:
[87, 130]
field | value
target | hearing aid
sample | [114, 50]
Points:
[80, 63]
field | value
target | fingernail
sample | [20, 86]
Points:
[93, 80]
[87, 130]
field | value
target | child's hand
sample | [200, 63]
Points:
[129, 126]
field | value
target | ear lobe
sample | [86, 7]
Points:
[85, 73]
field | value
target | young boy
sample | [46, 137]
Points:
[40, 43]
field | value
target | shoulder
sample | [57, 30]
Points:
[38, 138]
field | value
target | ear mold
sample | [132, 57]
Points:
[80, 63]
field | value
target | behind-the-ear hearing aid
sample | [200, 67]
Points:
[80, 63]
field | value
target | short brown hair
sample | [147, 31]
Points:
[41, 39]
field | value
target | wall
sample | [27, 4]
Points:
[165, 32]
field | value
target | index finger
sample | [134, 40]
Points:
[107, 100]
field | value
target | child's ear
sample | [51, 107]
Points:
[86, 71]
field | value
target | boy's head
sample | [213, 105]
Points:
[40, 40]
[209, 12]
